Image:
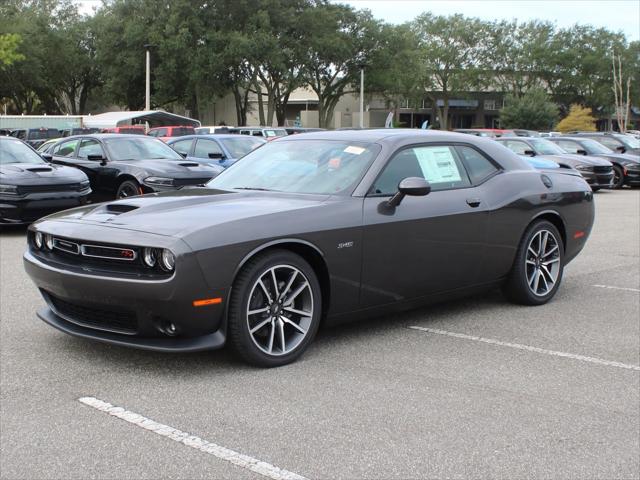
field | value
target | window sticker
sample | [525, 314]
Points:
[354, 150]
[437, 164]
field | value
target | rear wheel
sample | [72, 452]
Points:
[618, 177]
[275, 309]
[537, 269]
[128, 188]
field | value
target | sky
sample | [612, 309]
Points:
[615, 15]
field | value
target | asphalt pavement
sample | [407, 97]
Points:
[481, 389]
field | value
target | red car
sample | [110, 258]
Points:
[130, 129]
[165, 133]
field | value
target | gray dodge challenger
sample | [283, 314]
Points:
[310, 229]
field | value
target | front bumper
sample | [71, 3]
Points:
[128, 311]
[598, 180]
[25, 210]
[632, 177]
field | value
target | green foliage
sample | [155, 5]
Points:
[531, 111]
[579, 118]
[9, 44]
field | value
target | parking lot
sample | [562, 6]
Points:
[474, 388]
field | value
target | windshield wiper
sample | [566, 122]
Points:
[256, 188]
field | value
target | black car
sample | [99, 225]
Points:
[36, 136]
[327, 225]
[69, 132]
[596, 171]
[626, 168]
[618, 142]
[121, 165]
[30, 188]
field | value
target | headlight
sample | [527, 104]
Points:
[149, 257]
[168, 260]
[48, 241]
[584, 167]
[634, 167]
[159, 181]
[38, 240]
[84, 184]
[8, 189]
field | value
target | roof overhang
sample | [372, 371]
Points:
[155, 118]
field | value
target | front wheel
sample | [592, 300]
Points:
[128, 188]
[618, 177]
[537, 269]
[275, 309]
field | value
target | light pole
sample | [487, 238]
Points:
[362, 96]
[147, 86]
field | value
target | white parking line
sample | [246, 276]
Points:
[618, 288]
[529, 348]
[192, 441]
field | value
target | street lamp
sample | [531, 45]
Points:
[361, 96]
[147, 86]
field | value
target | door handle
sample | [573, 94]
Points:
[473, 202]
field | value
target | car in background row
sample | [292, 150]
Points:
[268, 133]
[618, 142]
[596, 171]
[127, 129]
[297, 130]
[68, 132]
[36, 136]
[48, 145]
[221, 150]
[165, 133]
[626, 168]
[210, 130]
[30, 188]
[120, 166]
[486, 132]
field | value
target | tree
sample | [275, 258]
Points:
[579, 118]
[531, 111]
[451, 51]
[9, 53]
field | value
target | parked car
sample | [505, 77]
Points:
[596, 171]
[36, 136]
[268, 133]
[5, 132]
[165, 133]
[618, 142]
[297, 130]
[68, 132]
[30, 188]
[486, 132]
[322, 226]
[626, 168]
[120, 166]
[222, 150]
[127, 129]
[525, 133]
[210, 130]
[48, 145]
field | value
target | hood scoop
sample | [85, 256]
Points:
[189, 164]
[118, 208]
[40, 169]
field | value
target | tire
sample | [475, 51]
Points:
[618, 177]
[260, 316]
[595, 189]
[128, 188]
[521, 285]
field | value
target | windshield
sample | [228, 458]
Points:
[142, 148]
[14, 151]
[545, 147]
[43, 134]
[629, 141]
[239, 147]
[309, 166]
[275, 133]
[593, 147]
[182, 131]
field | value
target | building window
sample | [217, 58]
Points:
[490, 105]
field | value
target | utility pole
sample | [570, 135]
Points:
[362, 96]
[147, 87]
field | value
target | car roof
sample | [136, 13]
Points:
[104, 136]
[212, 136]
[377, 134]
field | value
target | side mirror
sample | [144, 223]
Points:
[216, 156]
[414, 186]
[581, 152]
[530, 153]
[47, 157]
[621, 149]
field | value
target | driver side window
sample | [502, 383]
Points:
[437, 164]
[568, 146]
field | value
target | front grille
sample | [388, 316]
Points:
[101, 318]
[181, 182]
[603, 169]
[68, 187]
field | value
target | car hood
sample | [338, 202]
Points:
[172, 168]
[574, 159]
[39, 173]
[178, 213]
[620, 157]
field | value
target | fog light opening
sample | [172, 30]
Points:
[167, 328]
